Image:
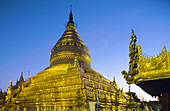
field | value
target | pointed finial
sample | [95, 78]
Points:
[10, 83]
[71, 15]
[70, 7]
[113, 78]
[21, 78]
[164, 48]
[132, 32]
[21, 74]
[129, 89]
[114, 81]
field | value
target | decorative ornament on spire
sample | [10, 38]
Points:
[71, 15]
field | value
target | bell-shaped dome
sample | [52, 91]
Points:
[69, 46]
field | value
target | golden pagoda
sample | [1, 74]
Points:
[68, 84]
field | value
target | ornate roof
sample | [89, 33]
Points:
[152, 74]
[69, 46]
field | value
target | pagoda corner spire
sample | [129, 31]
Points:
[164, 48]
[21, 78]
[114, 81]
[10, 83]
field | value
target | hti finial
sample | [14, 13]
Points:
[70, 7]
[71, 15]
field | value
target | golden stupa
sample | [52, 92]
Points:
[68, 84]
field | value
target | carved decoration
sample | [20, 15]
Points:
[143, 68]
[133, 55]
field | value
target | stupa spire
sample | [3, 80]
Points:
[71, 15]
[72, 45]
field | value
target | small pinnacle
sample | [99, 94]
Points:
[129, 89]
[132, 32]
[164, 48]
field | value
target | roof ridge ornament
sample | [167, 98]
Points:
[133, 63]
